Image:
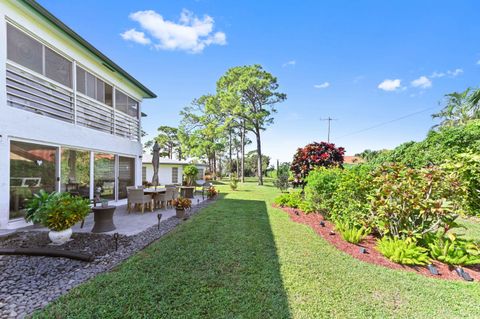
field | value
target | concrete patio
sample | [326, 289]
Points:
[135, 222]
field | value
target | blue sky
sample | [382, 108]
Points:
[331, 58]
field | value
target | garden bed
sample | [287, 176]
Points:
[372, 256]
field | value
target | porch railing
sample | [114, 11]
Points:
[35, 94]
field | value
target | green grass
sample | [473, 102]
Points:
[471, 230]
[241, 258]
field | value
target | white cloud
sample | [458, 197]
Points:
[135, 36]
[452, 73]
[324, 85]
[422, 82]
[289, 63]
[190, 33]
[390, 85]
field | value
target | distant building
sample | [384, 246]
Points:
[170, 170]
[353, 160]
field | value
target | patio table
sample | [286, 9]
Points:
[103, 219]
[153, 191]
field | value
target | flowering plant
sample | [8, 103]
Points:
[182, 203]
[212, 192]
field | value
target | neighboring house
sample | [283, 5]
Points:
[69, 116]
[170, 170]
[353, 160]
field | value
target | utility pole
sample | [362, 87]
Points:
[329, 119]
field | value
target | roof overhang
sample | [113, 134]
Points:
[75, 36]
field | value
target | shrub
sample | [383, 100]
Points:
[234, 183]
[315, 155]
[63, 211]
[293, 199]
[282, 177]
[351, 198]
[467, 166]
[35, 208]
[211, 192]
[454, 251]
[403, 251]
[182, 203]
[321, 184]
[351, 233]
[411, 202]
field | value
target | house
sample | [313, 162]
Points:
[69, 116]
[170, 171]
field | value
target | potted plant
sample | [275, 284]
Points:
[35, 207]
[59, 213]
[190, 172]
[211, 192]
[180, 205]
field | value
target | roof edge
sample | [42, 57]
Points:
[79, 39]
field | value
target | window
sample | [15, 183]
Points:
[32, 168]
[104, 174]
[81, 80]
[100, 96]
[144, 174]
[200, 174]
[90, 85]
[75, 166]
[126, 104]
[28, 52]
[174, 175]
[132, 107]
[24, 50]
[126, 175]
[58, 68]
[108, 94]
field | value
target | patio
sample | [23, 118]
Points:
[135, 222]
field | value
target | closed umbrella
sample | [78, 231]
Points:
[155, 163]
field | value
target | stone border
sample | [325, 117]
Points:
[31, 283]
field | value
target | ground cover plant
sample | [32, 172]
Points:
[243, 258]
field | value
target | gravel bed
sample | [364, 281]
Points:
[29, 283]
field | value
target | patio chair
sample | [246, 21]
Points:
[159, 199]
[205, 188]
[169, 193]
[137, 197]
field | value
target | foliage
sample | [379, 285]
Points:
[168, 141]
[282, 177]
[182, 203]
[351, 233]
[321, 185]
[369, 155]
[63, 211]
[437, 148]
[211, 192]
[467, 166]
[453, 250]
[190, 172]
[315, 155]
[460, 107]
[251, 163]
[35, 209]
[411, 202]
[293, 199]
[351, 199]
[403, 251]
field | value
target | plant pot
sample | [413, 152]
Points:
[60, 237]
[180, 213]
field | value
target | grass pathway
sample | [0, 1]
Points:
[241, 258]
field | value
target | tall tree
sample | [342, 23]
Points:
[167, 139]
[460, 107]
[249, 93]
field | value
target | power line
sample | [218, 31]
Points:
[387, 122]
[329, 119]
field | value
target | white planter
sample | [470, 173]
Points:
[60, 237]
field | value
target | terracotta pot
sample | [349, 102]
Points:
[60, 237]
[180, 213]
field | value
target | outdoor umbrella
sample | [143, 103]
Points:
[155, 163]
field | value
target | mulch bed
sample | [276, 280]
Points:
[372, 256]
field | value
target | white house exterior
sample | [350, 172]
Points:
[170, 171]
[69, 116]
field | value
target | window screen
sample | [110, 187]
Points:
[132, 107]
[81, 80]
[108, 94]
[58, 68]
[90, 85]
[24, 50]
[174, 175]
[100, 91]
[121, 101]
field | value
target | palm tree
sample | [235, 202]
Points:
[460, 108]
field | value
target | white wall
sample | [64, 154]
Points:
[164, 173]
[16, 124]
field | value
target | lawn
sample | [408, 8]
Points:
[241, 258]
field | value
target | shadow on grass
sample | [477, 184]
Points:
[222, 263]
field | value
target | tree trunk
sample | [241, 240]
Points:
[242, 168]
[214, 166]
[238, 163]
[259, 154]
[230, 154]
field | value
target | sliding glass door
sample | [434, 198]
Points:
[104, 173]
[126, 175]
[75, 172]
[32, 168]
